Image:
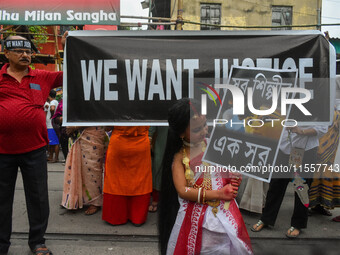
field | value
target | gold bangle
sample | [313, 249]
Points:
[203, 202]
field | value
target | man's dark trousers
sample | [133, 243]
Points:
[277, 190]
[33, 166]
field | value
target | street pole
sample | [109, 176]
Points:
[149, 20]
[318, 13]
[57, 56]
[179, 21]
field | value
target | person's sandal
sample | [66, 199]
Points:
[41, 249]
[153, 207]
[258, 226]
[92, 209]
[290, 231]
[336, 219]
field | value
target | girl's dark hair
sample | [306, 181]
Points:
[179, 116]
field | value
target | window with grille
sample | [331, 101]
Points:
[282, 15]
[210, 14]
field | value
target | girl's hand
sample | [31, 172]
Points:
[236, 179]
[228, 192]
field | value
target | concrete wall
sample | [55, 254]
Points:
[250, 12]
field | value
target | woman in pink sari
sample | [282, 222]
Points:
[84, 170]
[198, 213]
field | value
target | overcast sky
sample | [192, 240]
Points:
[330, 13]
[133, 8]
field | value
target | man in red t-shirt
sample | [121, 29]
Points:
[23, 140]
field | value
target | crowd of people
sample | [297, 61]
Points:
[130, 171]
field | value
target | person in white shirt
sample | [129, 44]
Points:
[53, 147]
[46, 106]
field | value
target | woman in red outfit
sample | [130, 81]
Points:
[128, 177]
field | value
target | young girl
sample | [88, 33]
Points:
[194, 218]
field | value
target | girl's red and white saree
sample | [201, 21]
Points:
[198, 231]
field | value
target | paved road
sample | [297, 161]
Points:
[134, 245]
[74, 233]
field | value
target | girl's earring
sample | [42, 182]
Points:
[183, 141]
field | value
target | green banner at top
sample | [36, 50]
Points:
[61, 12]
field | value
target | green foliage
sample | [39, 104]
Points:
[40, 35]
[123, 28]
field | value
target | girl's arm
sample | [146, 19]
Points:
[227, 193]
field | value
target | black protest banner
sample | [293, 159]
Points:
[133, 77]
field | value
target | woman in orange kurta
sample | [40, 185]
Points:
[128, 177]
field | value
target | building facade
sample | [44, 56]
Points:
[249, 13]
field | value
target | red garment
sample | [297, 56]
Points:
[22, 117]
[118, 210]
